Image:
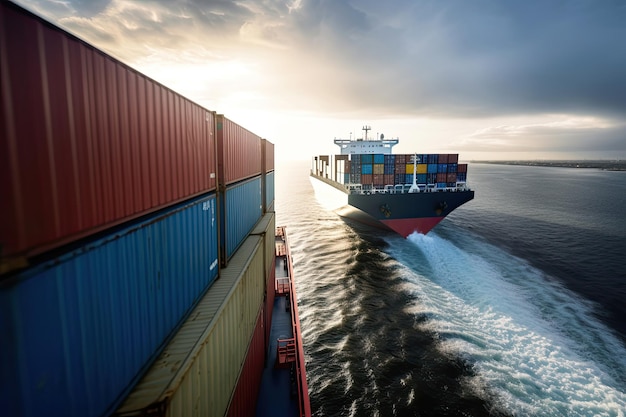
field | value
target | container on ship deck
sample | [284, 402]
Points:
[422, 168]
[268, 152]
[452, 168]
[378, 180]
[390, 159]
[379, 158]
[388, 179]
[367, 169]
[239, 150]
[389, 168]
[400, 160]
[399, 178]
[453, 158]
[367, 179]
[269, 191]
[367, 158]
[379, 169]
[355, 158]
[461, 177]
[421, 178]
[218, 333]
[443, 158]
[90, 143]
[355, 178]
[408, 178]
[241, 209]
[431, 168]
[433, 158]
[79, 315]
[462, 168]
[408, 168]
[442, 168]
[441, 185]
[442, 177]
[451, 177]
[431, 178]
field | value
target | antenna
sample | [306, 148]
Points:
[366, 128]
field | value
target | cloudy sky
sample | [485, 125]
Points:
[489, 79]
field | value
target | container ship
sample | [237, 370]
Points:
[141, 269]
[402, 193]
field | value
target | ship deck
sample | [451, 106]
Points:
[278, 394]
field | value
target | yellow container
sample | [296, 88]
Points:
[379, 168]
[409, 169]
[422, 168]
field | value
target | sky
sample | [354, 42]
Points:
[488, 79]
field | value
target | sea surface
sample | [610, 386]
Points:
[514, 305]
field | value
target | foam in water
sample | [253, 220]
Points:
[536, 347]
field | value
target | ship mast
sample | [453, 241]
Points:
[414, 188]
[366, 129]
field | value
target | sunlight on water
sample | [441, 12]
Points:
[536, 348]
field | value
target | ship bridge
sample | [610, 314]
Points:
[363, 145]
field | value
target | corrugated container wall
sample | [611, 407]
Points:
[239, 150]
[242, 210]
[270, 191]
[243, 403]
[86, 141]
[269, 155]
[197, 372]
[77, 332]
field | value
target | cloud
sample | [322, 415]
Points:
[562, 134]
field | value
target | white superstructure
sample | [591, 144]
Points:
[365, 145]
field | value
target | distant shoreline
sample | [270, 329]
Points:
[617, 165]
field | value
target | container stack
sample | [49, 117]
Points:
[122, 204]
[441, 171]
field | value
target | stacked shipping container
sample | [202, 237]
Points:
[380, 170]
[119, 197]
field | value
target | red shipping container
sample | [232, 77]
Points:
[443, 158]
[442, 177]
[453, 158]
[388, 179]
[268, 155]
[367, 179]
[378, 180]
[462, 168]
[400, 160]
[87, 142]
[451, 177]
[239, 152]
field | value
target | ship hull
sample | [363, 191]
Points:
[403, 213]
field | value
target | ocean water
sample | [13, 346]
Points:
[514, 305]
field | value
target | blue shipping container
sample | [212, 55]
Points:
[390, 159]
[242, 211]
[355, 178]
[433, 158]
[399, 178]
[269, 191]
[366, 169]
[461, 176]
[441, 185]
[452, 168]
[379, 158]
[79, 330]
[390, 168]
[431, 168]
[431, 178]
[442, 168]
[421, 178]
[408, 179]
[367, 158]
